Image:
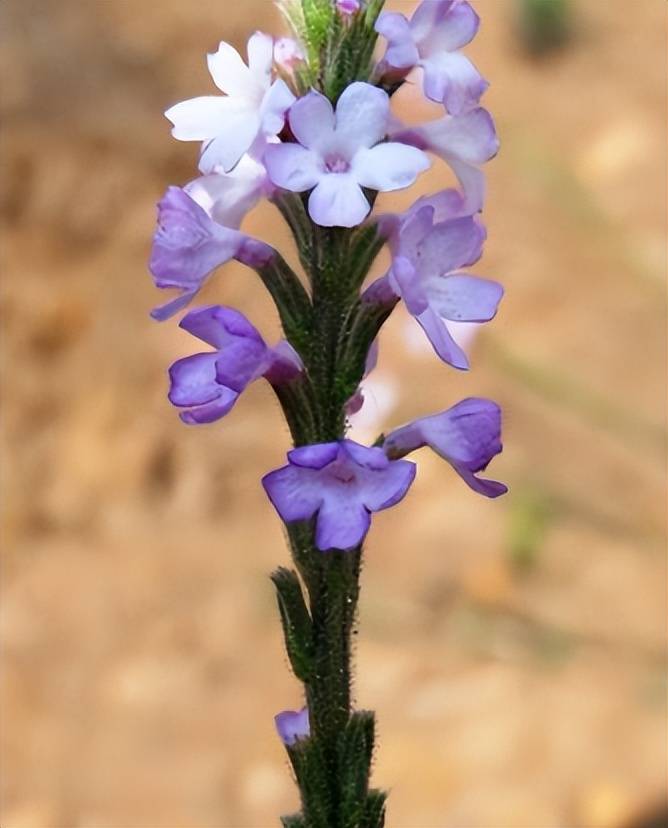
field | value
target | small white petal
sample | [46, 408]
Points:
[362, 114]
[388, 167]
[293, 167]
[199, 119]
[230, 73]
[231, 141]
[338, 201]
[260, 58]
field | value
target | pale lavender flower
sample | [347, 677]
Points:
[253, 106]
[425, 273]
[339, 153]
[209, 384]
[356, 402]
[228, 197]
[340, 482]
[468, 436]
[431, 40]
[187, 246]
[464, 142]
[293, 726]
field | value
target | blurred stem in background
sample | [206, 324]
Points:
[544, 25]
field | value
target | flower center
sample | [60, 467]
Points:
[336, 163]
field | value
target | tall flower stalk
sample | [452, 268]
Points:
[306, 123]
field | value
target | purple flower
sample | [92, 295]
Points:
[431, 40]
[209, 384]
[187, 246]
[468, 436]
[464, 142]
[293, 726]
[339, 153]
[425, 273]
[253, 105]
[341, 482]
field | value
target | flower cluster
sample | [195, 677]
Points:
[288, 129]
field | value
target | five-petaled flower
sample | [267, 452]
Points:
[431, 40]
[426, 261]
[341, 152]
[209, 384]
[253, 107]
[341, 483]
[468, 436]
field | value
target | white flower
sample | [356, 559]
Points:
[253, 106]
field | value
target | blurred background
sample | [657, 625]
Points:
[514, 650]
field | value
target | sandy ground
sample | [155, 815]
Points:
[514, 650]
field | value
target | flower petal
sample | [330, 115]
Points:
[232, 139]
[293, 726]
[293, 167]
[315, 456]
[312, 120]
[441, 340]
[426, 16]
[401, 51]
[275, 104]
[464, 298]
[473, 184]
[240, 362]
[200, 119]
[362, 114]
[260, 58]
[187, 244]
[383, 489]
[450, 245]
[371, 458]
[193, 380]
[451, 79]
[212, 411]
[489, 488]
[292, 493]
[163, 312]
[230, 73]
[413, 228]
[470, 137]
[342, 523]
[338, 201]
[227, 198]
[388, 167]
[453, 24]
[467, 435]
[218, 325]
[404, 277]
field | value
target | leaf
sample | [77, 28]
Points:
[296, 622]
[355, 755]
[374, 811]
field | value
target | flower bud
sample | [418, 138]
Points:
[287, 53]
